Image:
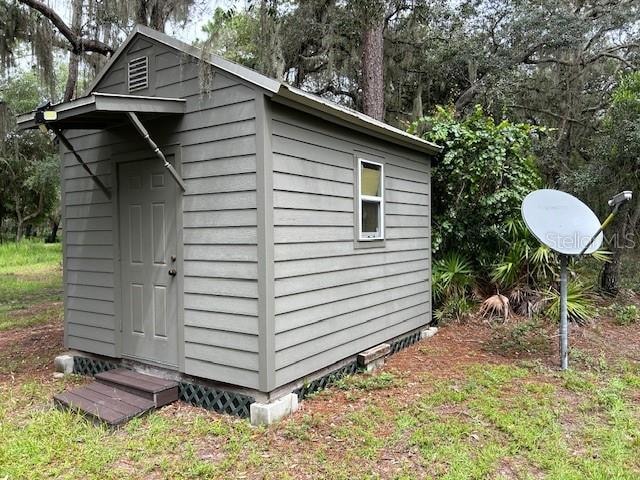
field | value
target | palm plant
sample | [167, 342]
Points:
[452, 276]
[452, 281]
[580, 306]
[529, 268]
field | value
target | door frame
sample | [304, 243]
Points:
[174, 150]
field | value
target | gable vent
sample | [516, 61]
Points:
[138, 73]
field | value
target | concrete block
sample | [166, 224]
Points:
[428, 332]
[268, 413]
[375, 365]
[63, 364]
[374, 353]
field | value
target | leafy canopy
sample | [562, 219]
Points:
[480, 181]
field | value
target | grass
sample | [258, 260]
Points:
[495, 421]
[30, 275]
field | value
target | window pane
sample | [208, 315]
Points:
[370, 180]
[370, 218]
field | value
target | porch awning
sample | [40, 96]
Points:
[101, 110]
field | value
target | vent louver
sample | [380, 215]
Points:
[138, 73]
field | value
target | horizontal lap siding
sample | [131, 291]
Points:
[218, 152]
[90, 319]
[334, 300]
[219, 220]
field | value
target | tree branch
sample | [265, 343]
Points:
[547, 112]
[533, 61]
[335, 91]
[78, 43]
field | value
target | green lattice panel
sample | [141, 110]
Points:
[327, 380]
[404, 342]
[91, 366]
[221, 401]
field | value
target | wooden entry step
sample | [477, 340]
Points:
[119, 396]
[158, 390]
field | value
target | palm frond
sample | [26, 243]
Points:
[580, 305]
[496, 305]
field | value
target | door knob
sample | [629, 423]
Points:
[173, 272]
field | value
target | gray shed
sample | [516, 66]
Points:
[287, 234]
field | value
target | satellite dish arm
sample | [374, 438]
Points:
[615, 202]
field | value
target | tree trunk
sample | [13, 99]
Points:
[22, 219]
[141, 13]
[54, 231]
[19, 227]
[72, 78]
[157, 16]
[623, 238]
[417, 112]
[372, 70]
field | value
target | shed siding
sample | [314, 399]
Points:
[332, 298]
[218, 153]
[89, 252]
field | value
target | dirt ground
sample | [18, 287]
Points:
[30, 351]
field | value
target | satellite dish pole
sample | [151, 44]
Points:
[564, 314]
[561, 222]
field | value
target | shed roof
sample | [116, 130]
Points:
[282, 92]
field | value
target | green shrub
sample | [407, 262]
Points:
[487, 169]
[455, 308]
[452, 276]
[625, 314]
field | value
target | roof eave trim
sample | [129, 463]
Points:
[352, 117]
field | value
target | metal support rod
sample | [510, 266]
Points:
[564, 323]
[602, 227]
[143, 132]
[69, 147]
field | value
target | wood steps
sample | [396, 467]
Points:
[119, 395]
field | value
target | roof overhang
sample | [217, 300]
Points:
[101, 110]
[296, 98]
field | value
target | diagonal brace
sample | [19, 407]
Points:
[143, 132]
[69, 147]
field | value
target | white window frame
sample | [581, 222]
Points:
[365, 237]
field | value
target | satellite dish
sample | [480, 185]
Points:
[561, 221]
[569, 227]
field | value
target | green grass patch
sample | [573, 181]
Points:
[30, 274]
[495, 421]
[508, 422]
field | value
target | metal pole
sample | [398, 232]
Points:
[145, 135]
[602, 227]
[564, 324]
[72, 150]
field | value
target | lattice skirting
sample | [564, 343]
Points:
[404, 342]
[224, 401]
[91, 366]
[350, 368]
[221, 401]
[323, 382]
